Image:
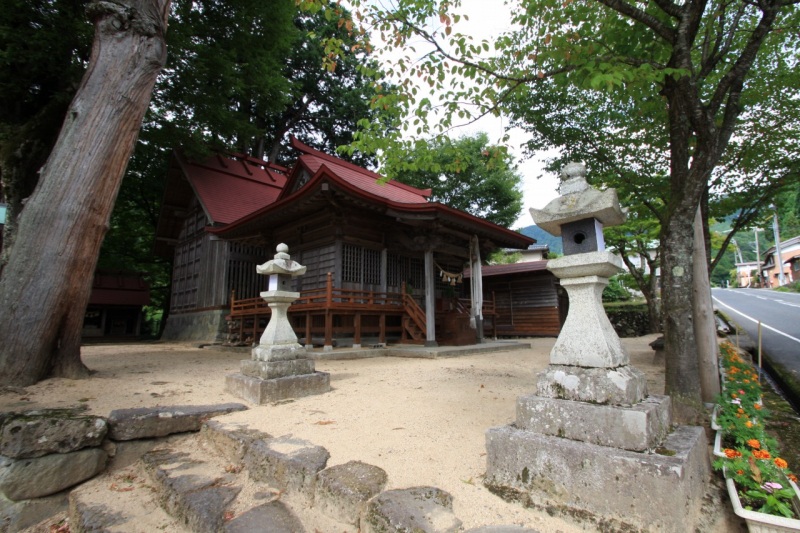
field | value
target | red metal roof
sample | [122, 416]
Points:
[361, 178]
[231, 187]
[237, 191]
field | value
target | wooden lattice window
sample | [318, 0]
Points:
[401, 269]
[242, 275]
[361, 265]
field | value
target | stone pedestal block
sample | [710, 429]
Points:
[279, 352]
[638, 428]
[263, 391]
[276, 369]
[587, 338]
[623, 490]
[625, 385]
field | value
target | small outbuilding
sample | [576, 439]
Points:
[528, 300]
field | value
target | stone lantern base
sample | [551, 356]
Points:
[611, 488]
[261, 391]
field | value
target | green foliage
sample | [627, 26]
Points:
[751, 457]
[467, 174]
[789, 287]
[501, 257]
[224, 76]
[44, 49]
[615, 291]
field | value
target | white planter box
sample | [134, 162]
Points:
[761, 522]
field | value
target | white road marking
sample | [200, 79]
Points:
[779, 332]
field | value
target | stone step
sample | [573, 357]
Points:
[229, 478]
[124, 501]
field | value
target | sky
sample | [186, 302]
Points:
[488, 18]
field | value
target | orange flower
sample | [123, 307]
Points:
[780, 463]
[757, 406]
[740, 472]
[732, 454]
[753, 443]
[761, 454]
[740, 411]
[792, 477]
[748, 424]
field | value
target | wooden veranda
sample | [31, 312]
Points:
[319, 316]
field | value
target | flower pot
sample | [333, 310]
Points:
[718, 445]
[714, 413]
[761, 522]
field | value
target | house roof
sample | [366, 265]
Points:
[227, 187]
[511, 268]
[232, 187]
[359, 177]
[317, 176]
[792, 244]
[241, 195]
[119, 289]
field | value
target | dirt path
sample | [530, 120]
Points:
[421, 420]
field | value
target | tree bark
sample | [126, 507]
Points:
[705, 329]
[45, 286]
[682, 372]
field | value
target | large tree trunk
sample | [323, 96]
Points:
[46, 283]
[682, 372]
[705, 329]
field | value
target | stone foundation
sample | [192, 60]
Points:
[202, 326]
[637, 428]
[619, 489]
[263, 391]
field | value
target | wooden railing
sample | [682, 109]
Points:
[328, 300]
[324, 298]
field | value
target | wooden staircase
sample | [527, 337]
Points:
[414, 322]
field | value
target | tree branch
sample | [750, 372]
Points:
[661, 29]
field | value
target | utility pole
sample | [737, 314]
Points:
[777, 244]
[758, 258]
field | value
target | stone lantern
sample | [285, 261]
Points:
[279, 342]
[279, 367]
[587, 442]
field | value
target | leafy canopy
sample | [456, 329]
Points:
[466, 174]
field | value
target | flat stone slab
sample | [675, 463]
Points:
[188, 492]
[286, 463]
[264, 391]
[625, 385]
[639, 427]
[600, 485]
[231, 440]
[417, 510]
[22, 479]
[342, 491]
[40, 432]
[274, 517]
[149, 422]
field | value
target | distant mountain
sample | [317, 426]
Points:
[542, 237]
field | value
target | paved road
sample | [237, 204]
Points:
[779, 313]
